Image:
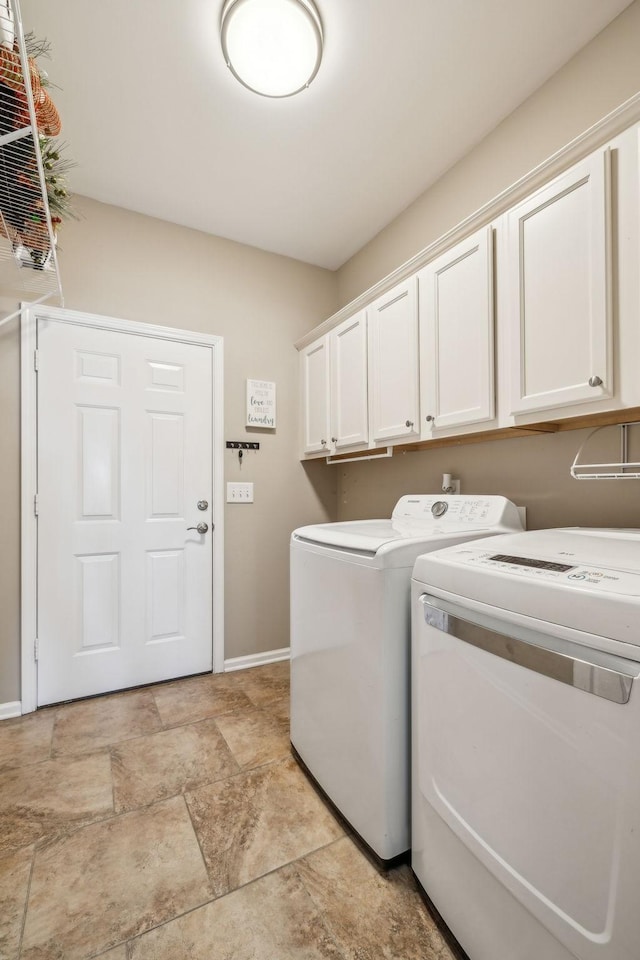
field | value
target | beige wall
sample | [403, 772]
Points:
[125, 265]
[597, 80]
[534, 472]
[531, 471]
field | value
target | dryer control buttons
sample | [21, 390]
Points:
[439, 508]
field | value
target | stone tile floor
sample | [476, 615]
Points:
[171, 823]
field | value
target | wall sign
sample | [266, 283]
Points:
[261, 403]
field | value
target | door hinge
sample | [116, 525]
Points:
[36, 360]
[36, 648]
[35, 505]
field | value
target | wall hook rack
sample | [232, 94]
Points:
[622, 470]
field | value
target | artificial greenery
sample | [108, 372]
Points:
[56, 168]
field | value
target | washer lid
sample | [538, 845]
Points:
[364, 535]
[418, 517]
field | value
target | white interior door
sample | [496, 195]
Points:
[124, 456]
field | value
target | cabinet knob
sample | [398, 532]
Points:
[334, 439]
[323, 443]
[429, 418]
[408, 423]
[595, 382]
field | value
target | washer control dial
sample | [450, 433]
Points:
[439, 508]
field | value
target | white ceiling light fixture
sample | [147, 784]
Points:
[273, 47]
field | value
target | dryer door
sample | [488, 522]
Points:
[527, 747]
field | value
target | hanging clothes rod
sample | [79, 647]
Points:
[371, 456]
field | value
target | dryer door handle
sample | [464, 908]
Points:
[538, 652]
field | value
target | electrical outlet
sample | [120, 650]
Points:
[239, 493]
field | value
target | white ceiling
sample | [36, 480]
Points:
[159, 125]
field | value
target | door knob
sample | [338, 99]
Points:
[201, 527]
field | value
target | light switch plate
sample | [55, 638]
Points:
[239, 493]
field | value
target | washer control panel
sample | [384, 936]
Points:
[459, 508]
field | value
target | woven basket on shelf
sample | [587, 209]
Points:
[47, 116]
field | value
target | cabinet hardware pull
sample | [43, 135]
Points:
[595, 381]
[408, 423]
[429, 418]
[323, 443]
[334, 439]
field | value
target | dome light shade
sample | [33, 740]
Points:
[273, 47]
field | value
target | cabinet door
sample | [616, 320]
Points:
[314, 361]
[349, 413]
[455, 293]
[559, 276]
[393, 363]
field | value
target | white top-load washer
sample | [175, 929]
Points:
[350, 643]
[526, 743]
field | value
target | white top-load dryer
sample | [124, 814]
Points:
[526, 743]
[350, 643]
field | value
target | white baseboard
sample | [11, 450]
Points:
[9, 710]
[256, 659]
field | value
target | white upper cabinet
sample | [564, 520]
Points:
[349, 409]
[335, 413]
[559, 295]
[314, 378]
[532, 318]
[393, 364]
[455, 294]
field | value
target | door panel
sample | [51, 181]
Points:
[99, 466]
[165, 600]
[456, 336]
[166, 466]
[124, 454]
[98, 601]
[560, 290]
[393, 350]
[315, 396]
[349, 413]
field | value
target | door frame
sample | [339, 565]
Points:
[30, 313]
